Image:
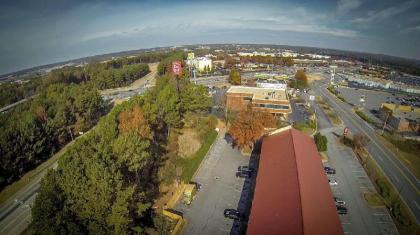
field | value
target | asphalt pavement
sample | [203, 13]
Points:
[220, 190]
[399, 175]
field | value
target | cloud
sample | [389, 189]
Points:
[344, 6]
[289, 24]
[375, 16]
[410, 29]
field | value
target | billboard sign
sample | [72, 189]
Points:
[177, 68]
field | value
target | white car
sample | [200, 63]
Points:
[332, 182]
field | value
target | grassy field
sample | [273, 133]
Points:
[411, 160]
[308, 128]
[190, 165]
[373, 199]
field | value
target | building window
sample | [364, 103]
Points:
[273, 106]
[247, 98]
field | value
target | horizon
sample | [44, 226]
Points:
[54, 32]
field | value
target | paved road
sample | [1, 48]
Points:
[400, 176]
[220, 190]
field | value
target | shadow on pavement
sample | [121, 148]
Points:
[245, 201]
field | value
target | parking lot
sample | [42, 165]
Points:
[352, 183]
[220, 190]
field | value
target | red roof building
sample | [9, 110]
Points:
[292, 194]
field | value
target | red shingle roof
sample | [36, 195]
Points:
[292, 195]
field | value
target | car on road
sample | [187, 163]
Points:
[339, 202]
[329, 170]
[232, 214]
[245, 168]
[332, 182]
[341, 210]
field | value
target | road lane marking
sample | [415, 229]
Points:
[417, 205]
[374, 142]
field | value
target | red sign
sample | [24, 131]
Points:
[346, 130]
[177, 68]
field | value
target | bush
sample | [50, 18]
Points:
[362, 115]
[321, 142]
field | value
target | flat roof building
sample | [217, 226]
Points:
[292, 194]
[270, 100]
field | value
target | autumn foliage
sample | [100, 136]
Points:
[134, 121]
[248, 126]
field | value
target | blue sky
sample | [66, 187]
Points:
[40, 32]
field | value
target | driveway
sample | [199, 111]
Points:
[220, 190]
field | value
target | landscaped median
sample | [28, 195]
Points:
[363, 116]
[334, 119]
[402, 216]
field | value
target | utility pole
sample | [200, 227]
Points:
[386, 119]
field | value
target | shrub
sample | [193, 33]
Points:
[321, 142]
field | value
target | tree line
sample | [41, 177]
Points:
[67, 102]
[107, 181]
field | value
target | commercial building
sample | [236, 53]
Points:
[200, 63]
[271, 100]
[292, 194]
[401, 118]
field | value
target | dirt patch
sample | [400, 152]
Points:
[314, 77]
[188, 142]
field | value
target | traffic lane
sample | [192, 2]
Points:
[220, 190]
[409, 191]
[357, 123]
[16, 222]
[352, 183]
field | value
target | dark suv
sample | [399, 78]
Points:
[232, 214]
[329, 170]
[341, 210]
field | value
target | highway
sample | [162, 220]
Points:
[400, 176]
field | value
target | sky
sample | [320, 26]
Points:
[39, 32]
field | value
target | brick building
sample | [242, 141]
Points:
[275, 101]
[401, 118]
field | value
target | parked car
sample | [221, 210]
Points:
[232, 214]
[332, 182]
[244, 174]
[341, 210]
[245, 168]
[329, 170]
[339, 201]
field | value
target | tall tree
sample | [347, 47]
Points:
[234, 77]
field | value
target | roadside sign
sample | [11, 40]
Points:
[346, 130]
[177, 68]
[311, 97]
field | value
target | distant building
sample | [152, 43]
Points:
[292, 195]
[274, 101]
[200, 63]
[401, 118]
[271, 83]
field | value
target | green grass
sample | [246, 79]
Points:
[190, 165]
[362, 115]
[408, 155]
[373, 199]
[306, 127]
[402, 216]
